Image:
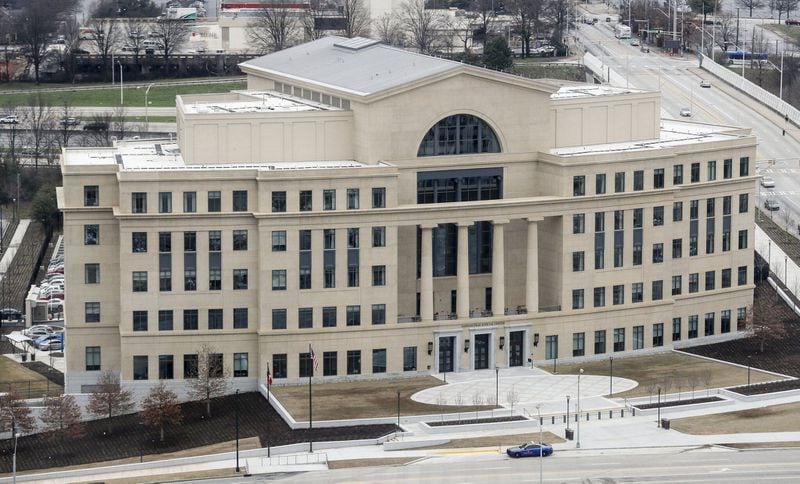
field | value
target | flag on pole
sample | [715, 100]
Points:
[313, 358]
[269, 376]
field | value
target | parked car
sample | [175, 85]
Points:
[635, 42]
[37, 331]
[686, 112]
[46, 340]
[10, 314]
[96, 126]
[9, 120]
[771, 204]
[705, 83]
[645, 49]
[767, 182]
[50, 344]
[530, 449]
[69, 121]
[792, 21]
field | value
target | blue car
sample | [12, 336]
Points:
[530, 449]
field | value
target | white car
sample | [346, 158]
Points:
[686, 112]
[767, 182]
[38, 330]
[771, 204]
[9, 120]
[705, 83]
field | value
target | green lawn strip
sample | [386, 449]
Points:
[791, 32]
[385, 461]
[498, 440]
[159, 96]
[133, 119]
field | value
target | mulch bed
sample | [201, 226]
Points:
[476, 421]
[46, 371]
[762, 388]
[256, 419]
[677, 403]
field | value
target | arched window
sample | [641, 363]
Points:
[459, 134]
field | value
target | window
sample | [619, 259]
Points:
[214, 201]
[240, 318]
[726, 205]
[708, 327]
[139, 202]
[726, 278]
[240, 200]
[190, 319]
[578, 223]
[638, 337]
[166, 367]
[677, 283]
[279, 365]
[139, 242]
[712, 170]
[658, 253]
[378, 314]
[577, 261]
[677, 211]
[578, 186]
[91, 234]
[694, 282]
[657, 290]
[741, 279]
[164, 202]
[744, 166]
[240, 240]
[91, 196]
[353, 315]
[577, 299]
[619, 339]
[676, 329]
[305, 318]
[352, 275]
[140, 370]
[139, 281]
[91, 273]
[240, 279]
[741, 317]
[379, 197]
[165, 322]
[711, 278]
[190, 202]
[329, 317]
[190, 241]
[551, 347]
[278, 319]
[743, 203]
[600, 342]
[354, 362]
[378, 275]
[742, 239]
[379, 236]
[165, 242]
[578, 344]
[329, 200]
[379, 360]
[677, 248]
[658, 178]
[638, 216]
[215, 319]
[353, 199]
[599, 297]
[658, 216]
[278, 201]
[677, 174]
[329, 363]
[727, 168]
[619, 182]
[278, 241]
[410, 358]
[600, 222]
[618, 294]
[140, 320]
[600, 184]
[240, 365]
[693, 323]
[214, 240]
[459, 134]
[279, 280]
[695, 172]
[306, 201]
[637, 292]
[638, 180]
[189, 269]
[92, 358]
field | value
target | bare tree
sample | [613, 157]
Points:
[693, 380]
[12, 404]
[135, 35]
[706, 377]
[38, 117]
[272, 29]
[766, 333]
[62, 416]
[422, 25]
[441, 401]
[161, 408]
[389, 30]
[356, 18]
[119, 123]
[13, 139]
[558, 12]
[311, 20]
[36, 21]
[477, 401]
[170, 34]
[679, 385]
[65, 128]
[210, 380]
[526, 19]
[750, 5]
[108, 399]
[513, 398]
[107, 36]
[100, 137]
[485, 11]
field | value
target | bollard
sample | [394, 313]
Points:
[576, 417]
[541, 420]
[633, 411]
[563, 419]
[622, 412]
[587, 416]
[610, 414]
[599, 415]
[554, 419]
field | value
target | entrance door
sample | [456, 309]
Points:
[481, 351]
[446, 347]
[516, 342]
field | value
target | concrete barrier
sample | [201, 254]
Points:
[413, 444]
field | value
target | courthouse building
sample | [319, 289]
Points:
[404, 214]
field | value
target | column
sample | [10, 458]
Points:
[462, 289]
[532, 275]
[426, 274]
[498, 268]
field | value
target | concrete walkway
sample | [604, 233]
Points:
[11, 250]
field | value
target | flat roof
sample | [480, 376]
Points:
[591, 90]
[258, 102]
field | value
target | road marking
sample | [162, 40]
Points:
[468, 451]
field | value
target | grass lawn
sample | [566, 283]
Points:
[386, 461]
[363, 399]
[791, 32]
[670, 370]
[762, 445]
[135, 119]
[777, 418]
[29, 383]
[159, 96]
[498, 440]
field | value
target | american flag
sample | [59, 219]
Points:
[313, 358]
[269, 376]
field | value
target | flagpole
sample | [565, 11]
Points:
[310, 418]
[268, 378]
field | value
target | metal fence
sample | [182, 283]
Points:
[295, 459]
[32, 388]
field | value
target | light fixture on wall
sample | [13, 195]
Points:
[535, 339]
[502, 342]
[430, 347]
[466, 346]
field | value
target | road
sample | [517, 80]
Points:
[678, 79]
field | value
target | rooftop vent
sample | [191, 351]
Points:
[356, 43]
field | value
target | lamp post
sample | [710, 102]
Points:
[748, 370]
[541, 454]
[236, 406]
[785, 267]
[14, 434]
[578, 438]
[610, 376]
[496, 386]
[121, 95]
[567, 419]
[146, 104]
[659, 408]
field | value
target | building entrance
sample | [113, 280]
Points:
[481, 352]
[446, 353]
[516, 343]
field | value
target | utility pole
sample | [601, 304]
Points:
[737, 29]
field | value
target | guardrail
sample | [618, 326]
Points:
[295, 459]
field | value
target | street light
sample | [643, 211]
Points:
[496, 386]
[147, 128]
[659, 408]
[578, 441]
[541, 454]
[748, 370]
[567, 419]
[121, 95]
[236, 405]
[610, 376]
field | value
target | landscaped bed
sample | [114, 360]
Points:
[444, 423]
[776, 418]
[762, 388]
[677, 403]
[129, 438]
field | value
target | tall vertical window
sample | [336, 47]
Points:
[708, 325]
[240, 365]
[551, 347]
[577, 299]
[638, 337]
[353, 199]
[741, 278]
[712, 170]
[379, 275]
[677, 248]
[743, 203]
[379, 197]
[354, 315]
[657, 290]
[304, 264]
[214, 260]
[240, 318]
[240, 240]
[619, 339]
[139, 321]
[379, 360]
[600, 342]
[379, 236]
[329, 363]
[619, 182]
[378, 314]
[695, 172]
[727, 168]
[279, 365]
[578, 186]
[279, 201]
[743, 239]
[578, 223]
[140, 370]
[279, 280]
[744, 166]
[190, 202]
[139, 281]
[354, 362]
[329, 258]
[164, 261]
[658, 178]
[676, 329]
[165, 321]
[353, 257]
[677, 174]
[409, 358]
[329, 317]
[578, 344]
[91, 273]
[306, 200]
[305, 318]
[599, 297]
[577, 261]
[278, 319]
[677, 285]
[214, 201]
[637, 292]
[139, 242]
[638, 180]
[91, 234]
[693, 324]
[92, 358]
[240, 280]
[278, 241]
[190, 319]
[215, 320]
[189, 261]
[240, 200]
[91, 196]
[139, 202]
[329, 200]
[164, 202]
[600, 184]
[166, 367]
[677, 211]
